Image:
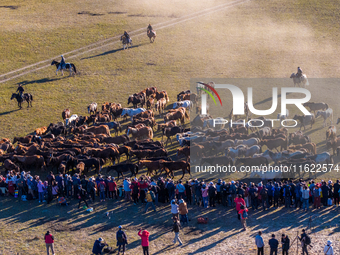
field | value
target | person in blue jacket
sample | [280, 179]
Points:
[98, 246]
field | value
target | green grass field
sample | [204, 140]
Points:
[255, 39]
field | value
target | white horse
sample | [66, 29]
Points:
[132, 112]
[325, 115]
[300, 80]
[185, 104]
[70, 120]
[92, 108]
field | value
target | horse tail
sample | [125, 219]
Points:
[74, 68]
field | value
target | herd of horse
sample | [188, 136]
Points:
[81, 143]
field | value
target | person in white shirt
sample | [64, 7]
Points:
[328, 250]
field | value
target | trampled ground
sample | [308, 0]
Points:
[250, 39]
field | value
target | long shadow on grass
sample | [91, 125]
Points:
[44, 80]
[8, 112]
[113, 51]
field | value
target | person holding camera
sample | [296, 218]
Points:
[144, 235]
[305, 241]
[98, 246]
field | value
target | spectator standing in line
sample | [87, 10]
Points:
[121, 240]
[144, 235]
[204, 191]
[243, 212]
[102, 189]
[181, 190]
[127, 189]
[285, 244]
[212, 192]
[183, 212]
[305, 198]
[49, 241]
[174, 209]
[274, 244]
[259, 243]
[336, 192]
[328, 250]
[175, 229]
[317, 196]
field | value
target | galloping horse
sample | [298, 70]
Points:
[300, 80]
[68, 66]
[126, 41]
[27, 97]
[152, 35]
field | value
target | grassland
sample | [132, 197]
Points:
[256, 39]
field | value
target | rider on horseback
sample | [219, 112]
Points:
[20, 89]
[62, 63]
[149, 28]
[299, 72]
[127, 36]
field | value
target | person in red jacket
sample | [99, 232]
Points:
[244, 215]
[49, 240]
[239, 201]
[144, 234]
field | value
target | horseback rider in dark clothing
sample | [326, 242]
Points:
[20, 89]
[299, 72]
[62, 62]
[127, 36]
[149, 28]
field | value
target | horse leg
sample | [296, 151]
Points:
[62, 72]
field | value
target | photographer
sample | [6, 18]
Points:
[305, 241]
[98, 246]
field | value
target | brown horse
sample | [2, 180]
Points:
[66, 114]
[152, 35]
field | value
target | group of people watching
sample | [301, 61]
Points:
[146, 190]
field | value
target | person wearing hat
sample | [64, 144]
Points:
[183, 211]
[285, 244]
[328, 250]
[121, 240]
[127, 189]
[49, 241]
[98, 246]
[144, 235]
[174, 209]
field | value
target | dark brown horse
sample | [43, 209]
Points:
[27, 97]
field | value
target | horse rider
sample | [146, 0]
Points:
[299, 72]
[62, 63]
[149, 28]
[20, 89]
[127, 36]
